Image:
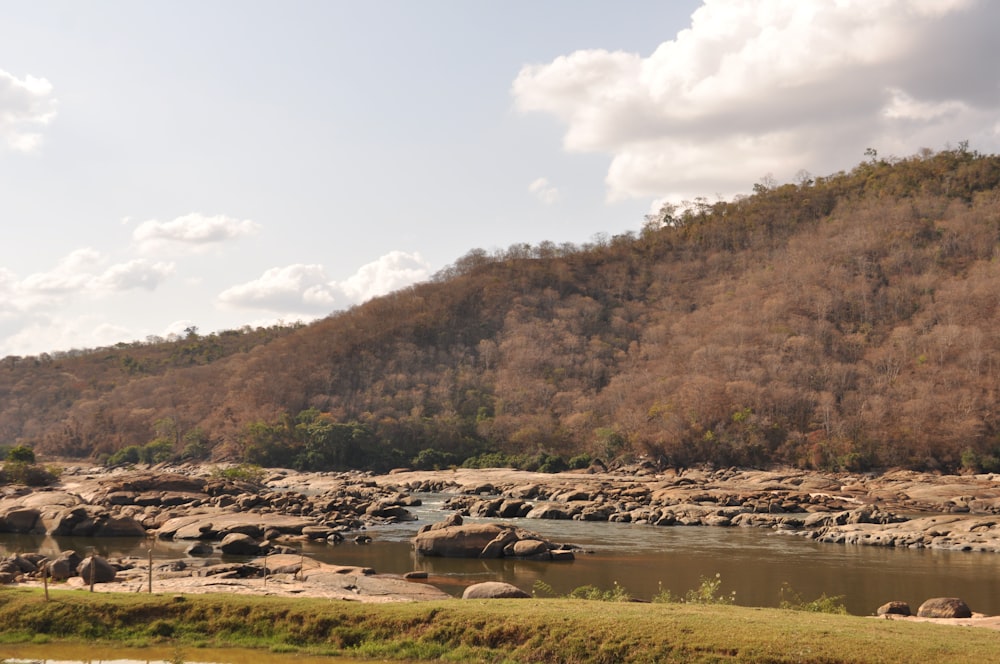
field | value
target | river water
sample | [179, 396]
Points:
[754, 563]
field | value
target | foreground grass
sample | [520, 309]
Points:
[549, 630]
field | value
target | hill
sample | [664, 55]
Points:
[842, 322]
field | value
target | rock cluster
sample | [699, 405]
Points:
[829, 508]
[173, 505]
[936, 607]
[278, 574]
[453, 539]
[68, 564]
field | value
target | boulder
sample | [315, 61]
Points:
[21, 520]
[944, 607]
[238, 544]
[145, 482]
[550, 511]
[497, 548]
[482, 540]
[896, 608]
[383, 510]
[310, 532]
[529, 547]
[454, 519]
[512, 509]
[465, 541]
[200, 549]
[493, 590]
[79, 521]
[97, 566]
[17, 564]
[64, 565]
[119, 527]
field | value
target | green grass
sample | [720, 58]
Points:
[533, 630]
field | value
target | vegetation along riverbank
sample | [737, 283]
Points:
[535, 630]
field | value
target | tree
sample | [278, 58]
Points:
[21, 454]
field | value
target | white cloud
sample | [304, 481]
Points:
[71, 274]
[193, 231]
[291, 288]
[83, 273]
[544, 191]
[26, 106]
[54, 309]
[138, 273]
[776, 86]
[394, 270]
[57, 332]
[307, 290]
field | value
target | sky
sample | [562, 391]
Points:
[221, 163]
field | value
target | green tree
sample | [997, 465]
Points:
[21, 453]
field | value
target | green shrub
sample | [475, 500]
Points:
[126, 455]
[21, 453]
[588, 592]
[19, 472]
[664, 596]
[245, 472]
[491, 460]
[792, 601]
[580, 461]
[707, 592]
[615, 594]
[433, 459]
[157, 451]
[548, 463]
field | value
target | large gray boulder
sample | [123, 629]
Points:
[493, 590]
[465, 541]
[97, 566]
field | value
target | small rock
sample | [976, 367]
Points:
[896, 608]
[200, 549]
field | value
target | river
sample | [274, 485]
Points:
[754, 563]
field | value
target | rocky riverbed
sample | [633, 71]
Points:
[261, 521]
[903, 508]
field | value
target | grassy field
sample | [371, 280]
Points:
[536, 630]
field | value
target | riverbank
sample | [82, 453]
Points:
[549, 630]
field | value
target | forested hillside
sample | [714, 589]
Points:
[845, 322]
